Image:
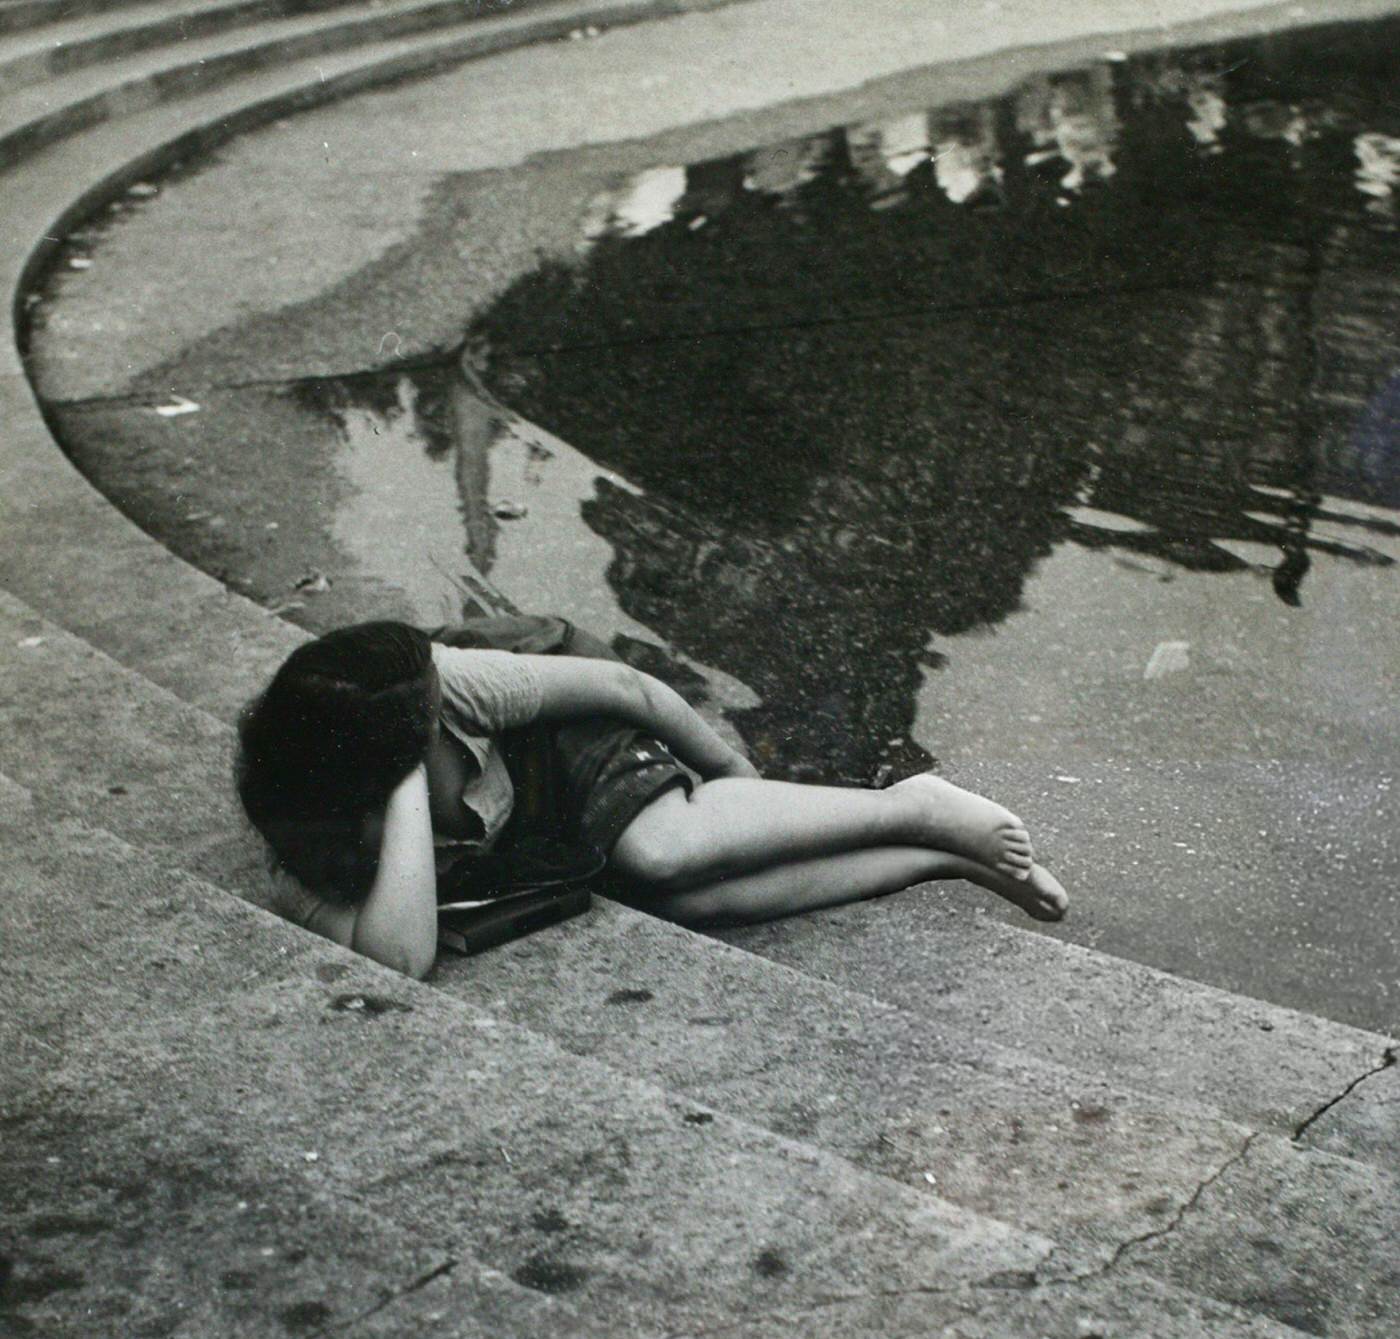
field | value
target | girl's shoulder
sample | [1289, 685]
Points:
[486, 690]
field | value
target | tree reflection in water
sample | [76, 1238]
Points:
[869, 378]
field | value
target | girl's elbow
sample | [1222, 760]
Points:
[398, 955]
[411, 961]
[418, 968]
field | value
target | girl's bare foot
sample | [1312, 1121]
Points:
[971, 825]
[1039, 895]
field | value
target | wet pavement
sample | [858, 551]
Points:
[1056, 433]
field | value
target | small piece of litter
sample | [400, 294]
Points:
[313, 583]
[355, 1002]
[699, 221]
[311, 1157]
[143, 190]
[1069, 780]
[31, 641]
[1168, 658]
[271, 525]
[267, 1252]
[509, 511]
[930, 1178]
[177, 406]
[79, 263]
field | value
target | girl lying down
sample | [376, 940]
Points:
[381, 756]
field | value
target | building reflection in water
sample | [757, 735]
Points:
[965, 157]
[862, 411]
[1071, 119]
[1378, 171]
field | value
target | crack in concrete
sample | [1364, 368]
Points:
[422, 1281]
[1390, 1057]
[1179, 1217]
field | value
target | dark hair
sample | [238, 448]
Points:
[343, 721]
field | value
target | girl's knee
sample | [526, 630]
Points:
[659, 847]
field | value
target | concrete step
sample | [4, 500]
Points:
[92, 739]
[1104, 1167]
[57, 43]
[1119, 1178]
[19, 15]
[65, 104]
[1263, 1065]
[355, 1146]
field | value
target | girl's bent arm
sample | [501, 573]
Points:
[573, 686]
[397, 925]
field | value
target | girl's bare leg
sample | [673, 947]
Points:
[735, 825]
[849, 877]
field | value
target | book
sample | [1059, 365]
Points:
[475, 926]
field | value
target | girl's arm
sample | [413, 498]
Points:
[573, 686]
[397, 925]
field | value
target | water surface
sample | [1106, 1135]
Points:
[871, 390]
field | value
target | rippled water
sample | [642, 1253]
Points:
[862, 396]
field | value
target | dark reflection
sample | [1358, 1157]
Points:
[430, 401]
[869, 378]
[423, 394]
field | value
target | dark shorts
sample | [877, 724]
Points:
[585, 779]
[608, 772]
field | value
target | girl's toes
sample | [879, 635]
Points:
[1051, 899]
